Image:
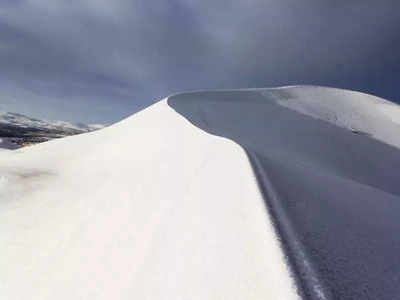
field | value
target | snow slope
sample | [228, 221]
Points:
[327, 162]
[149, 208]
[355, 111]
[281, 193]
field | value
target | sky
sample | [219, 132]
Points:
[98, 61]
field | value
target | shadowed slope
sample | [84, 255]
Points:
[331, 184]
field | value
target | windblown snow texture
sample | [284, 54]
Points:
[333, 193]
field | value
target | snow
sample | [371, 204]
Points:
[149, 208]
[327, 162]
[3, 183]
[96, 126]
[21, 120]
[8, 118]
[392, 111]
[359, 112]
[154, 207]
[7, 144]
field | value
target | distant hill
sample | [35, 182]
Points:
[18, 130]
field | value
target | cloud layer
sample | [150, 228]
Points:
[100, 60]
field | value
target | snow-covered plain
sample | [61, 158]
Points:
[149, 208]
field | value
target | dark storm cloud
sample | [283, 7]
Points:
[101, 60]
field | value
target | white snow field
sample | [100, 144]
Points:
[149, 208]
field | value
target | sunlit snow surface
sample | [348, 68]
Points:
[361, 113]
[279, 193]
[150, 208]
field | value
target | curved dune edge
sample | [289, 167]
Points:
[149, 208]
[327, 164]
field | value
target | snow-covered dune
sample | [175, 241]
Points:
[327, 163]
[361, 113]
[281, 193]
[150, 208]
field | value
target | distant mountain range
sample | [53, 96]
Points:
[18, 130]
